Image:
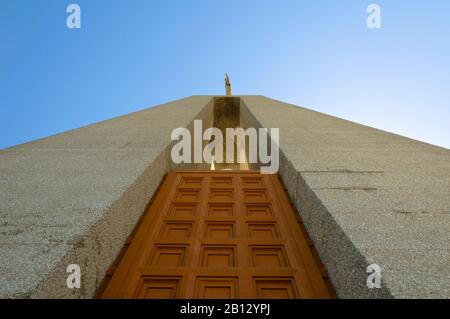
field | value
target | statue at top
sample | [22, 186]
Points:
[227, 85]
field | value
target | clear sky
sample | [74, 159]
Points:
[129, 55]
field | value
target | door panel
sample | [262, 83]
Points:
[219, 234]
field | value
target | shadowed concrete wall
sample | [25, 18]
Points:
[366, 196]
[74, 198]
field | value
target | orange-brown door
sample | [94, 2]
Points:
[218, 234]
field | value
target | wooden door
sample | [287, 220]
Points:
[218, 235]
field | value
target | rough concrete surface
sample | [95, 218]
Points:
[366, 196]
[73, 198]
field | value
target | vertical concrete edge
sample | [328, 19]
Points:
[345, 264]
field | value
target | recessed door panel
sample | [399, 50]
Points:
[218, 235]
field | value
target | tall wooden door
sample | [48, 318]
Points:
[218, 234]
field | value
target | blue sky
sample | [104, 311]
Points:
[130, 55]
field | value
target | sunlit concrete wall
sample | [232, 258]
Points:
[74, 198]
[366, 196]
